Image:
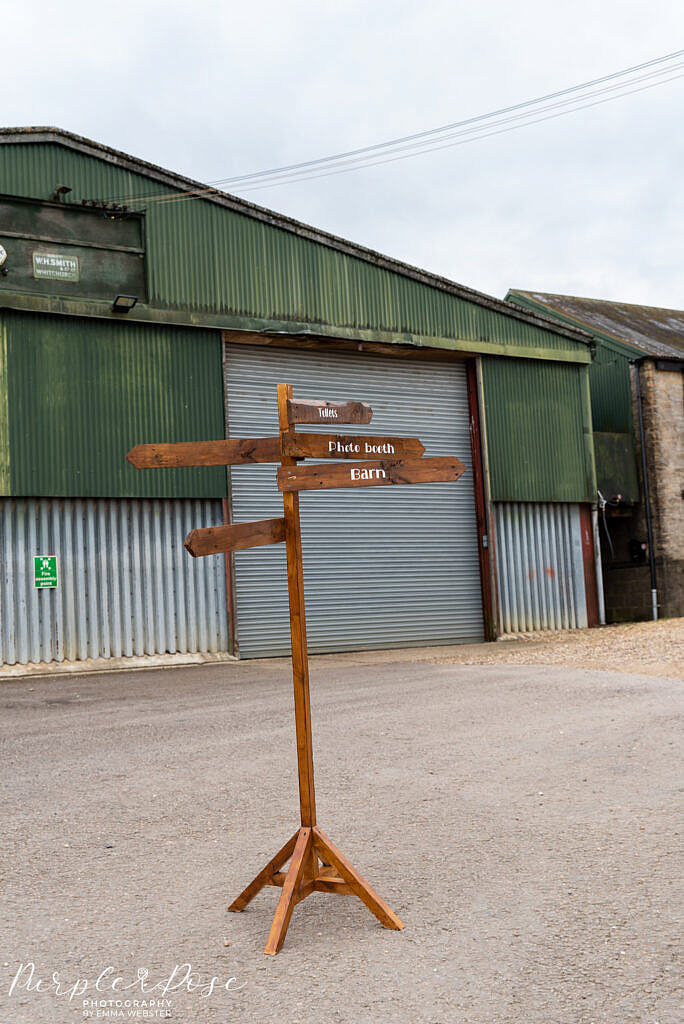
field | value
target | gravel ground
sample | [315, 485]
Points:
[651, 648]
[521, 819]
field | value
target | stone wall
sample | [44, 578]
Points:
[627, 585]
[663, 407]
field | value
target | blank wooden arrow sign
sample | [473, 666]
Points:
[370, 474]
[206, 453]
[346, 446]
[216, 539]
[328, 412]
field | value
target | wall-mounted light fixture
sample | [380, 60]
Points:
[124, 303]
[60, 190]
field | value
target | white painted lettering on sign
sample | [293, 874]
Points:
[367, 474]
[379, 449]
[354, 448]
[351, 447]
[330, 414]
[55, 267]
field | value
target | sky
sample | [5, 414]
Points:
[587, 204]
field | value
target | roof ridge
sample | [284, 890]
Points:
[603, 302]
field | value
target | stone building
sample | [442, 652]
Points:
[647, 341]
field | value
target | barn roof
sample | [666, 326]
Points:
[181, 184]
[648, 329]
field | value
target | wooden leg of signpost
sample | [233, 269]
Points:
[288, 896]
[356, 883]
[265, 875]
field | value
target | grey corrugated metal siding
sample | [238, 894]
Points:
[83, 392]
[126, 584]
[540, 569]
[207, 258]
[383, 567]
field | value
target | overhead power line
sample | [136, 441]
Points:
[446, 145]
[616, 85]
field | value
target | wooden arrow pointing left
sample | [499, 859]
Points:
[216, 539]
[206, 453]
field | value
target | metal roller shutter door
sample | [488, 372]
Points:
[383, 567]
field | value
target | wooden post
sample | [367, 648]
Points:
[300, 660]
[315, 865]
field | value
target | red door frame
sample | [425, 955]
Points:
[485, 539]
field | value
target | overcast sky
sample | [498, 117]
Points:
[588, 204]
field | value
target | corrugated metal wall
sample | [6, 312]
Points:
[612, 421]
[83, 392]
[540, 569]
[536, 431]
[611, 392]
[383, 567]
[126, 584]
[609, 373]
[247, 267]
[5, 483]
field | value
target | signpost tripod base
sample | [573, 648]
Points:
[316, 865]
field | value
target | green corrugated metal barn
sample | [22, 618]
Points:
[642, 554]
[230, 299]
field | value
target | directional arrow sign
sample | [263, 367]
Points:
[328, 412]
[346, 446]
[205, 453]
[369, 474]
[233, 538]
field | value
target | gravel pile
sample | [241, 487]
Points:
[649, 648]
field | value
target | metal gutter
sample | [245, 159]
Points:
[98, 309]
[669, 365]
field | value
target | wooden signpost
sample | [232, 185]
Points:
[327, 412]
[316, 865]
[347, 446]
[369, 474]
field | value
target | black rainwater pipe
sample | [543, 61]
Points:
[636, 363]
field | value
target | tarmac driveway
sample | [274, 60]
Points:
[522, 821]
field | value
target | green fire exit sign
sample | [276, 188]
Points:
[45, 571]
